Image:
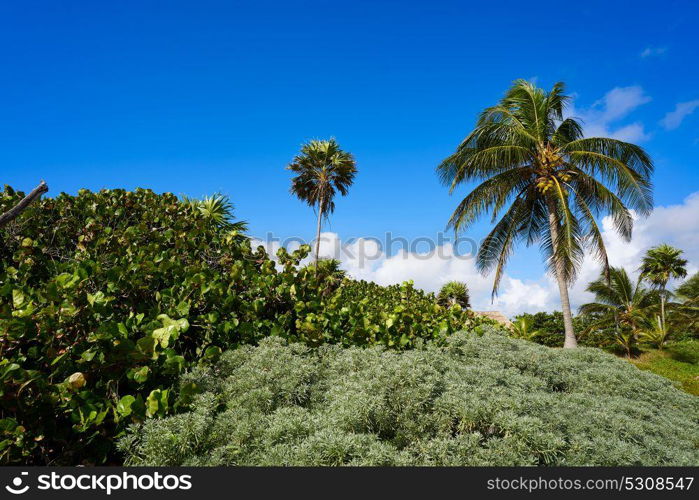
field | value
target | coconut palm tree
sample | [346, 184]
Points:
[452, 293]
[545, 183]
[322, 169]
[620, 304]
[659, 265]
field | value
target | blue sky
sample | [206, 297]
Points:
[200, 97]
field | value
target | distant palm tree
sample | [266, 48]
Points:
[454, 292]
[546, 184]
[659, 265]
[620, 304]
[322, 169]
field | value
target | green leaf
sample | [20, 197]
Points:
[123, 407]
[141, 375]
[170, 331]
[182, 308]
[18, 298]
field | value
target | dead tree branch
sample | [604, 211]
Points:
[24, 203]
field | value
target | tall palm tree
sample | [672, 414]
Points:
[322, 169]
[546, 183]
[659, 265]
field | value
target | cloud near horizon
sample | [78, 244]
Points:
[677, 225]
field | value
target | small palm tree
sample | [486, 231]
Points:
[656, 333]
[659, 265]
[328, 273]
[454, 292]
[322, 169]
[546, 184]
[218, 210]
[620, 304]
[522, 329]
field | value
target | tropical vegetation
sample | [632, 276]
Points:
[145, 328]
[106, 298]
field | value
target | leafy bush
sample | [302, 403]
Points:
[478, 400]
[105, 298]
[408, 313]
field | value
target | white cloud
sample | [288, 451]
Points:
[600, 120]
[653, 51]
[673, 119]
[677, 225]
[620, 101]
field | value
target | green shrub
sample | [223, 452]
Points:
[478, 400]
[105, 298]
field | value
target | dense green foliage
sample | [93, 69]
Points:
[404, 311]
[479, 400]
[549, 330]
[684, 320]
[105, 298]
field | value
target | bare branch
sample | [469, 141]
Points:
[23, 204]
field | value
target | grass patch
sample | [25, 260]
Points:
[678, 362]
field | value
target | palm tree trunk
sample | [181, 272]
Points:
[320, 217]
[570, 340]
[662, 307]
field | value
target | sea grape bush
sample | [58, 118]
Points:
[106, 297]
[477, 400]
